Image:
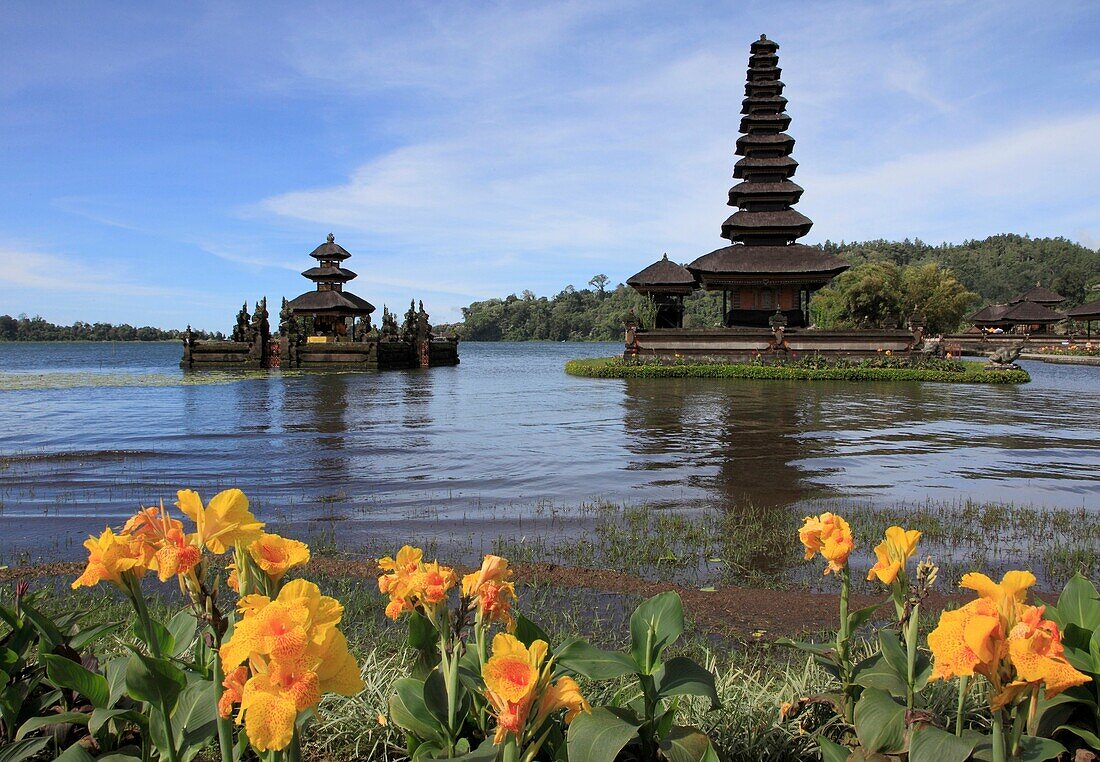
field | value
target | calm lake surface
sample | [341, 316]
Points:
[90, 431]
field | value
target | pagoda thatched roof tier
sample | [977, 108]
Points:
[763, 45]
[762, 167]
[1030, 312]
[763, 88]
[330, 251]
[758, 122]
[764, 74]
[766, 228]
[663, 276]
[330, 302]
[1039, 295]
[758, 194]
[329, 274]
[1087, 311]
[989, 314]
[754, 104]
[765, 146]
[766, 261]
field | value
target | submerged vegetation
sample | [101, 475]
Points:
[807, 369]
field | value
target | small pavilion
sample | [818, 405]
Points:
[1087, 312]
[667, 283]
[764, 271]
[329, 304]
[1021, 317]
[1040, 295]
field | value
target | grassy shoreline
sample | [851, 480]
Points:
[616, 367]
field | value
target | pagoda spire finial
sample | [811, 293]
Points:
[331, 238]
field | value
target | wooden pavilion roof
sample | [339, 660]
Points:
[1039, 295]
[1087, 311]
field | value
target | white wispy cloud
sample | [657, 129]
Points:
[55, 273]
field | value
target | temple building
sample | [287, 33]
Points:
[1086, 313]
[667, 283]
[1030, 312]
[329, 306]
[764, 270]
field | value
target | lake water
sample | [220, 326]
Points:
[90, 431]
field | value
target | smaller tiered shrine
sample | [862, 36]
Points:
[328, 327]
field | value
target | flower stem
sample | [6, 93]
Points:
[999, 736]
[964, 683]
[911, 635]
[225, 727]
[843, 638]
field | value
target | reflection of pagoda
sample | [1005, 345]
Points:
[764, 270]
[330, 305]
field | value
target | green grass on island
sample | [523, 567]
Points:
[951, 372]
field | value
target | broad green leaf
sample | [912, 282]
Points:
[120, 757]
[46, 628]
[89, 635]
[22, 750]
[101, 717]
[408, 711]
[680, 676]
[435, 696]
[156, 681]
[831, 751]
[483, 753]
[582, 657]
[422, 633]
[880, 722]
[66, 673]
[684, 744]
[36, 723]
[75, 753]
[928, 743]
[894, 652]
[654, 626]
[599, 736]
[1075, 636]
[181, 628]
[876, 672]
[860, 617]
[1034, 749]
[527, 632]
[115, 670]
[1079, 603]
[1084, 734]
[194, 721]
[822, 650]
[163, 643]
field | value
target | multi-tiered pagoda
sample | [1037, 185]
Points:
[330, 305]
[764, 270]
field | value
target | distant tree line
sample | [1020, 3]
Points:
[889, 281]
[25, 328]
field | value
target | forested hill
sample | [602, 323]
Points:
[996, 268]
[25, 328]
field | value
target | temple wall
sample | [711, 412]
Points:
[219, 354]
[747, 344]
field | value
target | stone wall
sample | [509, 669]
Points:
[746, 344]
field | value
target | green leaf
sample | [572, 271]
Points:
[46, 628]
[831, 751]
[164, 642]
[585, 659]
[408, 711]
[75, 753]
[599, 736]
[654, 626]
[1079, 603]
[36, 723]
[527, 632]
[684, 744]
[115, 671]
[680, 676]
[928, 743]
[156, 681]
[101, 717]
[435, 696]
[1034, 749]
[1085, 735]
[182, 628]
[880, 722]
[823, 650]
[894, 653]
[195, 719]
[876, 672]
[21, 750]
[66, 673]
[422, 633]
[89, 635]
[860, 617]
[484, 753]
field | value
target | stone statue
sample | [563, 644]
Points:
[242, 331]
[261, 327]
[389, 324]
[408, 328]
[288, 325]
[1005, 357]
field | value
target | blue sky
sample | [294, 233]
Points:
[161, 162]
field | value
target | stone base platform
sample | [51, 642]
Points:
[738, 345]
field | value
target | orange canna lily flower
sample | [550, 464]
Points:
[967, 640]
[491, 591]
[233, 686]
[563, 693]
[224, 521]
[275, 555]
[829, 535]
[110, 556]
[168, 549]
[511, 675]
[410, 583]
[1035, 649]
[892, 553]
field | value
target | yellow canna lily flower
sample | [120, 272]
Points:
[275, 555]
[898, 547]
[110, 556]
[564, 693]
[1035, 649]
[967, 640]
[1007, 595]
[269, 716]
[224, 521]
[490, 590]
[829, 535]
